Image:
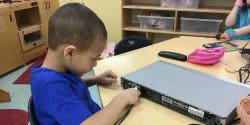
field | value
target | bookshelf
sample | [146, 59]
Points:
[208, 9]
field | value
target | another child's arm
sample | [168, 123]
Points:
[242, 30]
[229, 34]
[231, 18]
[111, 113]
[106, 78]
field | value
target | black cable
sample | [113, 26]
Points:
[234, 121]
[245, 69]
[240, 74]
[247, 77]
[240, 79]
[247, 82]
[243, 50]
[244, 46]
[124, 115]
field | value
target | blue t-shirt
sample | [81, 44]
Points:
[243, 19]
[60, 98]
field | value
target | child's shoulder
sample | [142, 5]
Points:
[41, 72]
[40, 75]
[43, 79]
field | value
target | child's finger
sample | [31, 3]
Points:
[112, 74]
[111, 80]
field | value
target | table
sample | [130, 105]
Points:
[148, 112]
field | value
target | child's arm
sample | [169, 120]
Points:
[231, 18]
[106, 78]
[229, 34]
[242, 30]
[111, 113]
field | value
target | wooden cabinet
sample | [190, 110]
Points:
[46, 8]
[208, 8]
[34, 53]
[23, 31]
[10, 49]
[29, 25]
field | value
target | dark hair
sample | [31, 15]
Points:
[77, 25]
[245, 5]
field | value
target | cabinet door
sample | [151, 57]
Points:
[44, 18]
[10, 49]
[53, 5]
[46, 8]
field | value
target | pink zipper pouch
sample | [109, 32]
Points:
[206, 56]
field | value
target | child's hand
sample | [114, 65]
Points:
[239, 3]
[229, 34]
[225, 36]
[107, 78]
[130, 96]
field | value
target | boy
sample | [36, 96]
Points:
[76, 39]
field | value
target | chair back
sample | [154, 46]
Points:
[31, 112]
[131, 43]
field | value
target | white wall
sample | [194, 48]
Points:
[109, 11]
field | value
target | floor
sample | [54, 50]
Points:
[20, 93]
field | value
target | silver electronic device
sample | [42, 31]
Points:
[204, 97]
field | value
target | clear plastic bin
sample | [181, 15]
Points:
[156, 22]
[200, 25]
[180, 3]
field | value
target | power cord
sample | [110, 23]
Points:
[127, 112]
[235, 121]
[244, 69]
[124, 116]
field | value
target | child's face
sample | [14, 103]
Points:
[83, 62]
[248, 2]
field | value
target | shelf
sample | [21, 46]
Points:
[207, 9]
[27, 17]
[24, 27]
[17, 6]
[138, 29]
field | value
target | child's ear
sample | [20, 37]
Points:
[69, 51]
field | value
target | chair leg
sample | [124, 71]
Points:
[4, 96]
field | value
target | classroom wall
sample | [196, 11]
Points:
[109, 11]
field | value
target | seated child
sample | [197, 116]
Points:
[77, 38]
[239, 20]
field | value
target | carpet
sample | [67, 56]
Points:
[25, 77]
[13, 117]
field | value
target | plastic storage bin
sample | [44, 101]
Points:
[180, 3]
[200, 25]
[156, 22]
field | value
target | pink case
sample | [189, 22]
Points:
[206, 56]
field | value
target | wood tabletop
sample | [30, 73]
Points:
[148, 112]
